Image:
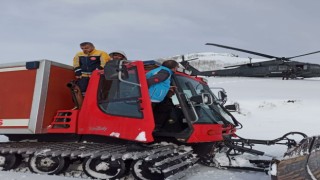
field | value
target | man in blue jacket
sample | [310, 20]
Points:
[159, 80]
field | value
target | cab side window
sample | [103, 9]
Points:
[120, 98]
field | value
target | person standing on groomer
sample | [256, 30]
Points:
[118, 55]
[159, 80]
[86, 61]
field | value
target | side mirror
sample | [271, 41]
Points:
[113, 68]
[204, 98]
[222, 96]
[233, 107]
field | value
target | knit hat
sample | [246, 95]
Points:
[119, 52]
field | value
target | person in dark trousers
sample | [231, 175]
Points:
[162, 110]
[167, 116]
[86, 61]
[159, 80]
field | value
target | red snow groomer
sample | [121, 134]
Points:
[111, 132]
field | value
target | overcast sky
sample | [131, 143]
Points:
[148, 29]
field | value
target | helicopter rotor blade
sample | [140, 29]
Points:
[303, 55]
[243, 50]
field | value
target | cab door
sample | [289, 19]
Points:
[117, 103]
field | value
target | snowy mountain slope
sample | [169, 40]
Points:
[206, 61]
[270, 107]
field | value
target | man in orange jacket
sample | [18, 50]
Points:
[86, 61]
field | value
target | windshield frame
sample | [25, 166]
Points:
[216, 113]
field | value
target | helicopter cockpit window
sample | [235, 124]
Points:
[207, 113]
[120, 98]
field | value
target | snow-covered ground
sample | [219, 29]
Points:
[270, 107]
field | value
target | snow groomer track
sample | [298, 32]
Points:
[102, 161]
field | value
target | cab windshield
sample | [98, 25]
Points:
[214, 113]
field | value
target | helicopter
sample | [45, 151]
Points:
[275, 67]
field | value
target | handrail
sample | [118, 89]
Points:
[119, 75]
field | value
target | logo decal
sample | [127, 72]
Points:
[98, 128]
[93, 58]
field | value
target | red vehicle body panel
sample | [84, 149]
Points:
[91, 120]
[32, 94]
[58, 95]
[20, 86]
[65, 121]
[206, 133]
